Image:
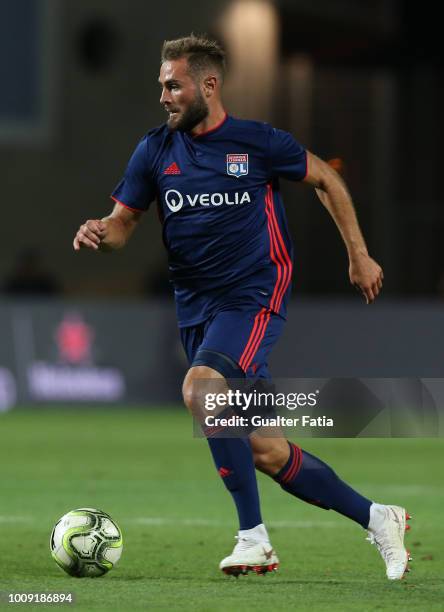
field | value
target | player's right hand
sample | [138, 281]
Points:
[90, 235]
[366, 275]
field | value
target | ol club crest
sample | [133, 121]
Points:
[237, 164]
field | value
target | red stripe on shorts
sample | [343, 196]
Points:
[261, 321]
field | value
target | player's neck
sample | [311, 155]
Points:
[215, 118]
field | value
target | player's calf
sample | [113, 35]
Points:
[270, 453]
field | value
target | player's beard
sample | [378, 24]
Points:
[196, 112]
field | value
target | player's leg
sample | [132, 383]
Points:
[233, 458]
[310, 479]
[219, 345]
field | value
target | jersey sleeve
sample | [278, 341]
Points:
[137, 189]
[288, 158]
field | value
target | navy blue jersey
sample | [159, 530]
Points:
[223, 219]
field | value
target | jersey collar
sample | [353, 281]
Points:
[211, 130]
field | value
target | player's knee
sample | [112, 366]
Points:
[191, 396]
[195, 388]
[272, 459]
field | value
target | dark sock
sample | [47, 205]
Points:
[313, 481]
[233, 458]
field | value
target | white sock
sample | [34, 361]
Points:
[258, 533]
[377, 514]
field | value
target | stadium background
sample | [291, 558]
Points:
[359, 81]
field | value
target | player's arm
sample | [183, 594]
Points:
[110, 233]
[364, 272]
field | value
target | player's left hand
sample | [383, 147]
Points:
[90, 235]
[366, 275]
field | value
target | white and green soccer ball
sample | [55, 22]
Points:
[86, 542]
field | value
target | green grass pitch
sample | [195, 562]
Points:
[158, 482]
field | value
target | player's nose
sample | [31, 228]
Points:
[165, 97]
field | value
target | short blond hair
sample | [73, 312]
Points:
[202, 53]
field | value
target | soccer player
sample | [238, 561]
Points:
[216, 182]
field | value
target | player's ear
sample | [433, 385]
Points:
[209, 85]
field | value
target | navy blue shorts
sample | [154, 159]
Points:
[244, 334]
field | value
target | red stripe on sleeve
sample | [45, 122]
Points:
[126, 205]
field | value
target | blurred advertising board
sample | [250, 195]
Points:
[67, 352]
[62, 351]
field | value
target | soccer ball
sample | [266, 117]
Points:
[86, 542]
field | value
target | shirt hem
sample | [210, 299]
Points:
[126, 205]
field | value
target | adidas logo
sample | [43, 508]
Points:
[173, 169]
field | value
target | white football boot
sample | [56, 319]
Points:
[386, 530]
[252, 553]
